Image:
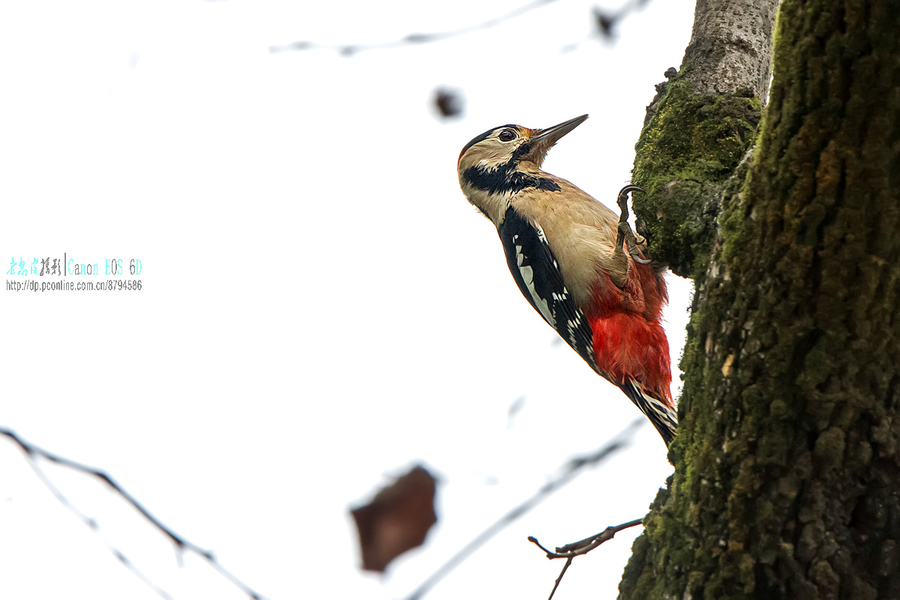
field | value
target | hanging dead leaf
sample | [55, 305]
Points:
[604, 22]
[396, 520]
[449, 103]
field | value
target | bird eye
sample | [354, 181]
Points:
[507, 135]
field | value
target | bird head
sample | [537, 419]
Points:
[508, 145]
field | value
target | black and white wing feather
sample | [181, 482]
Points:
[536, 271]
[662, 416]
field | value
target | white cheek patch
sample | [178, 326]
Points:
[528, 277]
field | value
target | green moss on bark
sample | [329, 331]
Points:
[688, 149]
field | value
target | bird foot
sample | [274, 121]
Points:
[625, 233]
[622, 200]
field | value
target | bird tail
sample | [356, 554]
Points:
[660, 413]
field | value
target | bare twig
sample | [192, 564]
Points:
[587, 544]
[559, 579]
[92, 524]
[413, 38]
[570, 551]
[572, 468]
[33, 452]
[604, 22]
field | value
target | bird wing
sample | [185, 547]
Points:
[536, 271]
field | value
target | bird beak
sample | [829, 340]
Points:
[544, 139]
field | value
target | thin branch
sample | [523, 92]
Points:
[586, 545]
[605, 21]
[570, 551]
[412, 38]
[572, 468]
[33, 452]
[92, 524]
[559, 579]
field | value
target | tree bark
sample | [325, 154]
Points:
[700, 127]
[787, 458]
[730, 47]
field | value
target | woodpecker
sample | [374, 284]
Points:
[577, 263]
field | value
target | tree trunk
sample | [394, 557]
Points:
[787, 458]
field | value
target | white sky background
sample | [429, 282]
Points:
[321, 308]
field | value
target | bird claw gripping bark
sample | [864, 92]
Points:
[625, 232]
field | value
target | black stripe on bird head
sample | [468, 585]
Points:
[505, 179]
